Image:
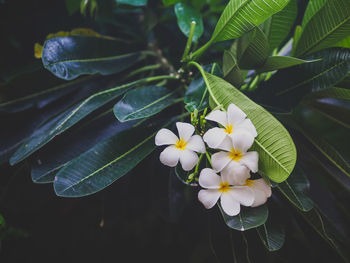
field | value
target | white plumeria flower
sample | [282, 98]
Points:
[218, 187]
[261, 190]
[182, 149]
[236, 155]
[233, 120]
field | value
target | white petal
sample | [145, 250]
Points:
[220, 160]
[260, 198]
[170, 156]
[209, 197]
[262, 185]
[250, 159]
[214, 137]
[209, 179]
[235, 115]
[165, 137]
[217, 116]
[248, 126]
[196, 144]
[242, 140]
[185, 130]
[243, 194]
[188, 159]
[229, 204]
[226, 144]
[235, 173]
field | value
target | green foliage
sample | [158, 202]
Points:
[132, 2]
[185, 16]
[272, 234]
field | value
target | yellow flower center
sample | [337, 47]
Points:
[249, 183]
[229, 129]
[235, 155]
[224, 187]
[181, 144]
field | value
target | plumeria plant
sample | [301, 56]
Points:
[247, 101]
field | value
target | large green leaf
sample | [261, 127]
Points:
[106, 162]
[248, 218]
[280, 24]
[272, 234]
[295, 188]
[286, 88]
[144, 102]
[333, 109]
[68, 118]
[280, 62]
[252, 49]
[343, 43]
[232, 72]
[327, 27]
[312, 8]
[70, 57]
[241, 16]
[185, 16]
[277, 153]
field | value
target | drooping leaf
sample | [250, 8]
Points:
[280, 62]
[328, 26]
[50, 159]
[132, 2]
[312, 8]
[68, 118]
[185, 16]
[252, 49]
[295, 190]
[106, 162]
[334, 109]
[277, 153]
[272, 234]
[231, 69]
[280, 24]
[248, 218]
[286, 88]
[70, 57]
[144, 102]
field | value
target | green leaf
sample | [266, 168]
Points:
[277, 153]
[132, 2]
[144, 102]
[280, 24]
[328, 26]
[272, 234]
[170, 2]
[248, 218]
[333, 109]
[324, 147]
[286, 88]
[197, 96]
[343, 43]
[295, 188]
[240, 16]
[185, 16]
[335, 93]
[68, 118]
[252, 49]
[2, 221]
[72, 6]
[312, 8]
[106, 162]
[231, 69]
[70, 57]
[281, 62]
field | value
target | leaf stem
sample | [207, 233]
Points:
[200, 51]
[208, 157]
[189, 40]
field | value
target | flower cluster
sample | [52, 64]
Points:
[233, 138]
